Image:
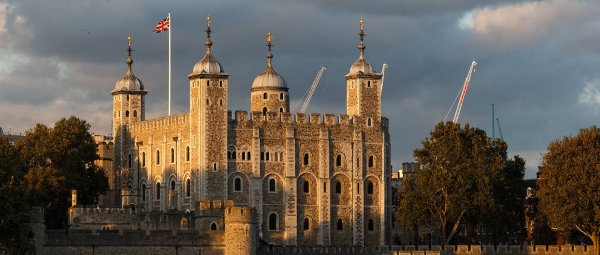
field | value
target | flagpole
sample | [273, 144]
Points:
[170, 63]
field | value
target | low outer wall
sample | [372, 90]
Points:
[142, 250]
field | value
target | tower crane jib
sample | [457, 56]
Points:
[312, 90]
[382, 76]
[464, 91]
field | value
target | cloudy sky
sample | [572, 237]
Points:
[538, 61]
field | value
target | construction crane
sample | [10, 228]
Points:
[462, 94]
[382, 77]
[310, 91]
[499, 129]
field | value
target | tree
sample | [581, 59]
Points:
[459, 176]
[569, 182]
[15, 233]
[61, 159]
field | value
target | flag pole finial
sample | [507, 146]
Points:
[362, 35]
[208, 30]
[269, 45]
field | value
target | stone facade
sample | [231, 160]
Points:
[312, 179]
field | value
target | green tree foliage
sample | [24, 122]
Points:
[61, 159]
[569, 183]
[463, 178]
[15, 233]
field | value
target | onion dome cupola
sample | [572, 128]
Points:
[129, 82]
[269, 92]
[208, 64]
[361, 65]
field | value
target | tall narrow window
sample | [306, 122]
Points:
[243, 156]
[214, 167]
[172, 184]
[280, 96]
[265, 96]
[262, 156]
[172, 155]
[305, 159]
[281, 109]
[127, 97]
[370, 225]
[358, 187]
[248, 155]
[265, 111]
[157, 157]
[143, 158]
[207, 102]
[306, 224]
[129, 161]
[272, 221]
[126, 113]
[187, 153]
[368, 122]
[233, 155]
[220, 84]
[144, 192]
[340, 224]
[272, 185]
[134, 113]
[306, 187]
[158, 191]
[338, 187]
[208, 83]
[213, 226]
[324, 186]
[370, 188]
[267, 158]
[221, 102]
[228, 154]
[370, 161]
[338, 160]
[188, 190]
[237, 184]
[369, 84]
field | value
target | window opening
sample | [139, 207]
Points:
[306, 224]
[188, 190]
[272, 185]
[272, 221]
[237, 184]
[173, 185]
[370, 161]
[158, 191]
[306, 187]
[306, 159]
[340, 224]
[370, 188]
[338, 187]
[338, 160]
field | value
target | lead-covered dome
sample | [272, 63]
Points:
[361, 65]
[208, 64]
[269, 78]
[129, 82]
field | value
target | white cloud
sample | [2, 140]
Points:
[527, 23]
[590, 94]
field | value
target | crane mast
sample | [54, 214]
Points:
[312, 90]
[499, 129]
[464, 91]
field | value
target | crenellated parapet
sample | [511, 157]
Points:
[161, 122]
[243, 118]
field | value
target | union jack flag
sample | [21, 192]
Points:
[162, 26]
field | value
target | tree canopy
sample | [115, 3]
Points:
[15, 233]
[462, 179]
[569, 182]
[59, 160]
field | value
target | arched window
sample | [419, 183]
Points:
[265, 96]
[220, 84]
[143, 158]
[237, 184]
[306, 224]
[281, 109]
[187, 153]
[370, 188]
[280, 96]
[172, 155]
[248, 155]
[281, 156]
[129, 185]
[267, 156]
[369, 84]
[340, 224]
[144, 192]
[213, 226]
[358, 187]
[134, 113]
[265, 111]
[207, 102]
[126, 113]
[158, 191]
[276, 156]
[243, 156]
[370, 161]
[214, 167]
[221, 102]
[338, 187]
[272, 186]
[172, 184]
[233, 154]
[368, 122]
[273, 221]
[208, 83]
[338, 160]
[129, 161]
[127, 97]
[228, 154]
[305, 159]
[324, 186]
[188, 188]
[158, 157]
[262, 155]
[306, 187]
[370, 225]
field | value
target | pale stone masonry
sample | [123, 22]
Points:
[311, 179]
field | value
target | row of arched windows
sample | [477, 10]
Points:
[271, 156]
[266, 96]
[274, 223]
[187, 189]
[272, 186]
[173, 156]
[118, 114]
[197, 83]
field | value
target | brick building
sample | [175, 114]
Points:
[320, 180]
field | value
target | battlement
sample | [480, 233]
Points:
[434, 250]
[80, 209]
[86, 237]
[212, 208]
[240, 215]
[241, 117]
[181, 118]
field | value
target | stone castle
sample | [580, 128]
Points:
[311, 179]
